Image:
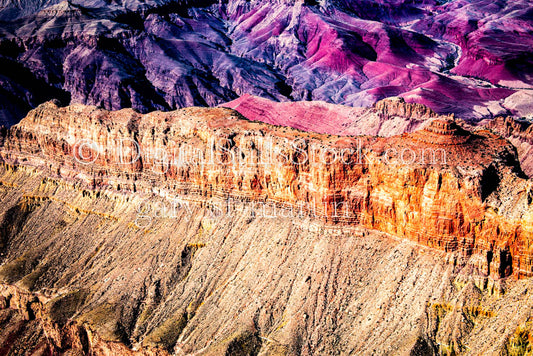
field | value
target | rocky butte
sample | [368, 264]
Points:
[198, 230]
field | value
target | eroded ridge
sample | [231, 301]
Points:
[441, 186]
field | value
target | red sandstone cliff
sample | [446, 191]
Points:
[441, 186]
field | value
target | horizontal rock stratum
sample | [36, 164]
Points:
[440, 186]
[200, 232]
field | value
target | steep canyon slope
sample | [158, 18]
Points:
[198, 231]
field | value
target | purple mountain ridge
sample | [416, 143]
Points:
[471, 58]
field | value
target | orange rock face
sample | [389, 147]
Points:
[441, 186]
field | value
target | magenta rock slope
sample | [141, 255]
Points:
[462, 57]
[388, 117]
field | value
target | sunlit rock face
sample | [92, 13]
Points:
[440, 186]
[462, 57]
[200, 231]
[520, 134]
[387, 117]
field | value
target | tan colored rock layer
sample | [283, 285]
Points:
[441, 187]
[197, 284]
[397, 106]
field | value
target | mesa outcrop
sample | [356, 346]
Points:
[440, 186]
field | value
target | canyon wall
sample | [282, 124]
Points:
[81, 273]
[441, 186]
[520, 134]
[200, 232]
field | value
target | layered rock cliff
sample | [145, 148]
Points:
[195, 283]
[198, 231]
[520, 134]
[388, 117]
[441, 186]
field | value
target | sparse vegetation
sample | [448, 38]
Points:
[473, 313]
[65, 306]
[15, 270]
[168, 332]
[104, 318]
[245, 344]
[28, 282]
[196, 245]
[476, 311]
[521, 342]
